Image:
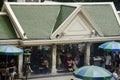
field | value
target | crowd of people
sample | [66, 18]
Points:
[111, 62]
[74, 62]
[8, 70]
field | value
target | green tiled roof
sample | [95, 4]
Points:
[38, 21]
[64, 13]
[104, 19]
[6, 29]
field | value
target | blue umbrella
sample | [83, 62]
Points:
[10, 50]
[92, 73]
[110, 46]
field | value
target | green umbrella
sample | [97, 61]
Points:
[110, 46]
[93, 73]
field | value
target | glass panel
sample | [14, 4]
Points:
[70, 57]
[40, 59]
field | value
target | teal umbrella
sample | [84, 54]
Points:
[110, 46]
[93, 73]
[10, 50]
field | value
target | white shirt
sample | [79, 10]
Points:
[108, 60]
[115, 76]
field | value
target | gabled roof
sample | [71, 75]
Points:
[76, 26]
[101, 17]
[104, 18]
[38, 21]
[6, 28]
[45, 21]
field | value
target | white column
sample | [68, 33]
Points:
[20, 65]
[87, 55]
[54, 48]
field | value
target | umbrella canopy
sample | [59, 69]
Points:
[92, 73]
[110, 46]
[10, 50]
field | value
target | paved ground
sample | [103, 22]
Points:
[53, 77]
[58, 76]
[64, 77]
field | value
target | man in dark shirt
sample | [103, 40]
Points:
[81, 60]
[12, 68]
